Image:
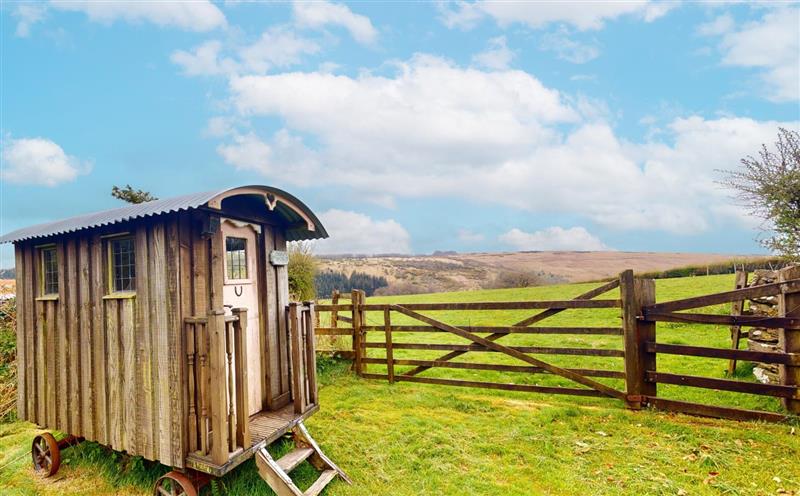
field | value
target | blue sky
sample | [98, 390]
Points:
[469, 126]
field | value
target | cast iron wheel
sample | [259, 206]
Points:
[45, 454]
[174, 484]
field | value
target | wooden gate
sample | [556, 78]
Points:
[379, 331]
[363, 340]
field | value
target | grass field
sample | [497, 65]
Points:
[424, 439]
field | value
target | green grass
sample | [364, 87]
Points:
[424, 439]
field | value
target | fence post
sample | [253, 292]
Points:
[789, 306]
[358, 329]
[736, 309]
[635, 294]
[387, 327]
[334, 312]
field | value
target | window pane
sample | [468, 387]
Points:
[49, 271]
[124, 266]
[236, 258]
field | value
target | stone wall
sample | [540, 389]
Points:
[760, 338]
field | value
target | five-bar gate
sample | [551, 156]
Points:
[383, 329]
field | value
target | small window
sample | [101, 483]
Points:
[49, 271]
[122, 261]
[236, 258]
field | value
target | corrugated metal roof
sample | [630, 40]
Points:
[158, 207]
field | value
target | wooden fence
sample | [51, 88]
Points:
[636, 383]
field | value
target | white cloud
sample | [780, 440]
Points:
[279, 46]
[717, 27]
[197, 15]
[770, 44]
[554, 238]
[567, 48]
[431, 113]
[583, 16]
[353, 232]
[204, 60]
[496, 56]
[27, 15]
[271, 159]
[39, 161]
[318, 14]
[434, 129]
[247, 152]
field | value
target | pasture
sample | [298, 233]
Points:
[409, 438]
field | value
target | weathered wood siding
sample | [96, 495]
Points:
[107, 369]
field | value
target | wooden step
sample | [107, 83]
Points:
[289, 461]
[324, 479]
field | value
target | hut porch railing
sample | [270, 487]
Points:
[216, 360]
[300, 318]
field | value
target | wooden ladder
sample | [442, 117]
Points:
[276, 473]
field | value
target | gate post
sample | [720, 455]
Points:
[357, 301]
[636, 294]
[789, 339]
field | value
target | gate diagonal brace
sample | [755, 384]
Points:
[523, 323]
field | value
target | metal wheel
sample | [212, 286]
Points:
[45, 454]
[174, 484]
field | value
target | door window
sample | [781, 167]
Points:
[236, 258]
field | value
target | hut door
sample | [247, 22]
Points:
[241, 290]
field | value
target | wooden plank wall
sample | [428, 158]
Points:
[108, 369]
[276, 354]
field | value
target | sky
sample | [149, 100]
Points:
[407, 127]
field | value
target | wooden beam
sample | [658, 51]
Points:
[723, 384]
[700, 351]
[714, 411]
[503, 305]
[727, 296]
[492, 385]
[612, 374]
[542, 350]
[743, 320]
[598, 331]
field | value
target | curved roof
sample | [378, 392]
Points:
[305, 225]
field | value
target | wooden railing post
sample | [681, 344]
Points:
[218, 393]
[242, 381]
[231, 385]
[635, 294]
[201, 335]
[789, 339]
[309, 322]
[190, 386]
[295, 344]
